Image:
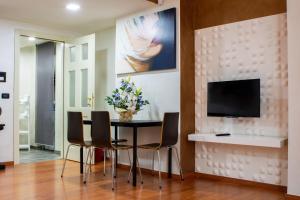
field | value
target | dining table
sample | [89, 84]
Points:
[135, 125]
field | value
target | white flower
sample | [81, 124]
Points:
[123, 95]
[132, 108]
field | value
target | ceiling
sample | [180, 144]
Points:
[94, 14]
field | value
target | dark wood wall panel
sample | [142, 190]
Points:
[196, 14]
[187, 85]
[216, 12]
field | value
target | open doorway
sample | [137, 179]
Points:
[40, 99]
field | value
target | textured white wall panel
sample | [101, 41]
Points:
[249, 49]
[293, 16]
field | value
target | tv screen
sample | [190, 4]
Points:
[239, 98]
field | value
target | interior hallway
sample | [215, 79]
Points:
[36, 155]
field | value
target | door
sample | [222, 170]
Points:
[79, 84]
[45, 94]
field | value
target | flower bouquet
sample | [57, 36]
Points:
[127, 100]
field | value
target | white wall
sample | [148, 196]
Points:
[162, 91]
[7, 61]
[293, 16]
[105, 66]
[255, 48]
[7, 65]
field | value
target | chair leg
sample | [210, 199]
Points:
[65, 160]
[104, 162]
[109, 153]
[140, 171]
[159, 169]
[113, 169]
[153, 156]
[130, 171]
[179, 163]
[91, 159]
[87, 165]
[129, 175]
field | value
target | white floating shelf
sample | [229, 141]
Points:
[249, 140]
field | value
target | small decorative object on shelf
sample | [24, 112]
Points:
[127, 100]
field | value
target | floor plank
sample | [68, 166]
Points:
[42, 181]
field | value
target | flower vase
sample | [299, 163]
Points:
[125, 116]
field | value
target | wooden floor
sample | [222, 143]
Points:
[42, 181]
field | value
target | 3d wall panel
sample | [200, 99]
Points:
[249, 49]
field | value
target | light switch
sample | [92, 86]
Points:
[5, 96]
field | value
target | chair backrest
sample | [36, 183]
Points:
[169, 134]
[75, 128]
[101, 135]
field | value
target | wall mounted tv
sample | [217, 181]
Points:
[240, 98]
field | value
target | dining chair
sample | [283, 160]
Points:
[169, 138]
[105, 154]
[75, 135]
[101, 138]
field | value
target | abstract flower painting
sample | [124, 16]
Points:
[146, 43]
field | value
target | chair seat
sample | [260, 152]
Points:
[150, 146]
[80, 143]
[118, 146]
[122, 146]
[120, 140]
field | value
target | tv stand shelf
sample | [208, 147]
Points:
[248, 140]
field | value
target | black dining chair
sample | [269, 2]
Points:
[101, 138]
[105, 154]
[169, 138]
[75, 135]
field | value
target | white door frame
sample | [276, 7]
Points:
[18, 34]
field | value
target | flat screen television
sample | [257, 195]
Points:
[239, 98]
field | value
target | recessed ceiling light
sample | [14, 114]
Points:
[31, 39]
[73, 6]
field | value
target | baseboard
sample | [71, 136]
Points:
[10, 163]
[241, 182]
[149, 171]
[292, 197]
